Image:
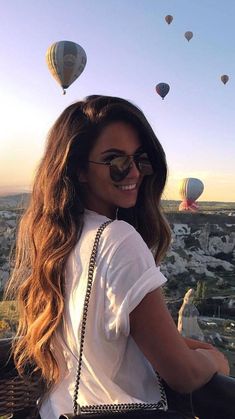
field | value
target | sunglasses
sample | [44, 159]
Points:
[120, 166]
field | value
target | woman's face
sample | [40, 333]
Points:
[102, 194]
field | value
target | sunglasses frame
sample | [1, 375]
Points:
[120, 175]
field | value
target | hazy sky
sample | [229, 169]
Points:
[130, 49]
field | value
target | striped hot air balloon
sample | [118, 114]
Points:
[190, 189]
[66, 60]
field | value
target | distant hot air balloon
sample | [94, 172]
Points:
[168, 19]
[162, 89]
[66, 60]
[224, 78]
[190, 189]
[188, 35]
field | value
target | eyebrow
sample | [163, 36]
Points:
[116, 150]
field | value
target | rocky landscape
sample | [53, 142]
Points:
[202, 251]
[201, 256]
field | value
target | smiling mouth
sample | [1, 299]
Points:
[127, 187]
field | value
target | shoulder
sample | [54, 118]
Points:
[117, 236]
[121, 242]
[120, 232]
[118, 228]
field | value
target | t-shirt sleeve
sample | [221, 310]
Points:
[131, 274]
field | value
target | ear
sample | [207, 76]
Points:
[82, 178]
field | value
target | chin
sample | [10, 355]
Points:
[127, 204]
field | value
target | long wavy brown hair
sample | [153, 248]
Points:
[50, 227]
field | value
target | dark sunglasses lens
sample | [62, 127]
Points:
[144, 165]
[119, 168]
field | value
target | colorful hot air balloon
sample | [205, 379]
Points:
[224, 78]
[188, 35]
[168, 19]
[162, 89]
[190, 189]
[66, 60]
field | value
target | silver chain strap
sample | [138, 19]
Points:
[115, 408]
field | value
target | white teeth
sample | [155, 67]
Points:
[127, 187]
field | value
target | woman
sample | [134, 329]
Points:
[102, 161]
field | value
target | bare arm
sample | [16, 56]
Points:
[196, 344]
[154, 331]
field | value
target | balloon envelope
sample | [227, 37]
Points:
[224, 78]
[188, 35]
[168, 19]
[190, 189]
[66, 60]
[162, 89]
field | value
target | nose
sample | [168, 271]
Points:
[134, 171]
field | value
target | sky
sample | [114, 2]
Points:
[130, 48]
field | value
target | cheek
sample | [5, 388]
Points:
[98, 175]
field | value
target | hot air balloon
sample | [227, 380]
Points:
[168, 19]
[224, 78]
[66, 60]
[162, 89]
[188, 35]
[190, 189]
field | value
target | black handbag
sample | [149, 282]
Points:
[128, 410]
[144, 413]
[18, 394]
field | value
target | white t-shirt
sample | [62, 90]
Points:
[114, 370]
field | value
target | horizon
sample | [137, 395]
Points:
[17, 192]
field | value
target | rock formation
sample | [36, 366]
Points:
[188, 318]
